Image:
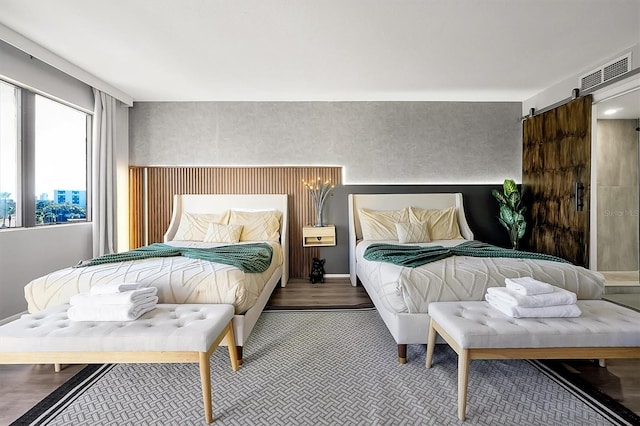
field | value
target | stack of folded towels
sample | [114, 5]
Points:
[113, 302]
[529, 298]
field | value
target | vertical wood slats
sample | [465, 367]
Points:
[556, 154]
[163, 182]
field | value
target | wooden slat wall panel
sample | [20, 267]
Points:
[163, 182]
[136, 216]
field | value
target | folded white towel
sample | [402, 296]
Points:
[114, 287]
[559, 311]
[528, 286]
[509, 297]
[124, 312]
[132, 296]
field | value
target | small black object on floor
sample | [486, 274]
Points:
[317, 271]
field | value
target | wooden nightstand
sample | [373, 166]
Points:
[316, 236]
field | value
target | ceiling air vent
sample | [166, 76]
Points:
[606, 72]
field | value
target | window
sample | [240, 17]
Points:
[60, 161]
[47, 158]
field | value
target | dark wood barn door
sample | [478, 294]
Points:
[556, 176]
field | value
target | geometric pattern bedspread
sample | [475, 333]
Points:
[178, 279]
[410, 290]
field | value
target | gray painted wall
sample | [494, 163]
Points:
[375, 142]
[384, 147]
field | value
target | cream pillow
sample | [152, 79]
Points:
[412, 232]
[219, 233]
[194, 226]
[263, 225]
[442, 224]
[381, 224]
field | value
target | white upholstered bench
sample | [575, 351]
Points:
[168, 334]
[477, 331]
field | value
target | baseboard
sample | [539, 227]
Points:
[336, 275]
[12, 318]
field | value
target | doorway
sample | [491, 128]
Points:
[617, 190]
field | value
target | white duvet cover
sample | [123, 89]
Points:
[410, 290]
[178, 279]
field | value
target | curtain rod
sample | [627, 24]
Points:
[575, 93]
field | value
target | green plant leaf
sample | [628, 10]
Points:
[507, 227]
[498, 196]
[514, 200]
[507, 215]
[509, 187]
[522, 227]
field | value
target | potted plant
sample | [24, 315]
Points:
[511, 211]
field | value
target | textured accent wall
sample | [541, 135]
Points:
[375, 142]
[617, 203]
[152, 189]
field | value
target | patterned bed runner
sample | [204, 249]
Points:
[251, 258]
[413, 256]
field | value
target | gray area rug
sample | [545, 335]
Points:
[325, 368]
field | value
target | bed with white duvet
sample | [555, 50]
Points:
[198, 221]
[402, 294]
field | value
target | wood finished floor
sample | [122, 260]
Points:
[334, 293]
[23, 386]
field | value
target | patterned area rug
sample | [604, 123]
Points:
[322, 368]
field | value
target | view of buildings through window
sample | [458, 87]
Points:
[58, 169]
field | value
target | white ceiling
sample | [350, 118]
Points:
[176, 50]
[626, 106]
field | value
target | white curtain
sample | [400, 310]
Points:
[104, 174]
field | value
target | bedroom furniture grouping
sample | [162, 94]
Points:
[319, 236]
[171, 333]
[198, 221]
[402, 294]
[477, 331]
[151, 192]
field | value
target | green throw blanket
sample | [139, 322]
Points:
[412, 256]
[253, 258]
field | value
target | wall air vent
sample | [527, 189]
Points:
[605, 73]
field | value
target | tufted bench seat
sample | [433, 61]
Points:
[167, 334]
[477, 331]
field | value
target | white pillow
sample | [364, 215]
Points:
[194, 226]
[413, 232]
[443, 224]
[257, 225]
[219, 233]
[381, 224]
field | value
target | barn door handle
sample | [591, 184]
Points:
[578, 195]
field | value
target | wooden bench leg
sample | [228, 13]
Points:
[57, 368]
[205, 379]
[602, 362]
[463, 382]
[205, 369]
[431, 343]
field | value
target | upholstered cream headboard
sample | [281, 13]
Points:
[395, 202]
[219, 203]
